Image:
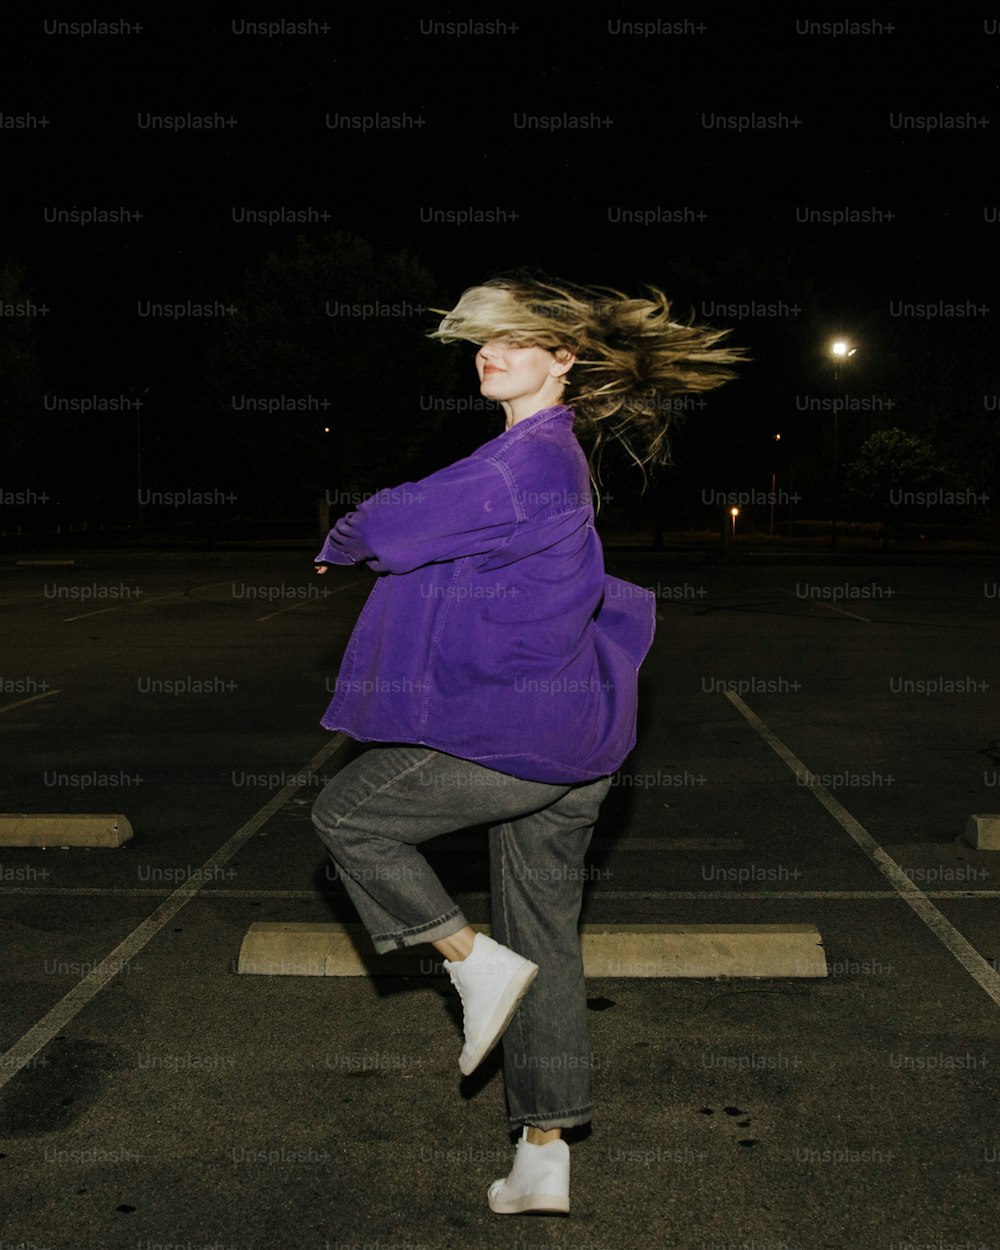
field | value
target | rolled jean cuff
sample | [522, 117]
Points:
[558, 1119]
[431, 931]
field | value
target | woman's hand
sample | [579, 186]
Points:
[321, 568]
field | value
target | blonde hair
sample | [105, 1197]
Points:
[631, 357]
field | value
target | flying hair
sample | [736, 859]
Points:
[632, 358]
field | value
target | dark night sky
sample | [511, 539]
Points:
[655, 149]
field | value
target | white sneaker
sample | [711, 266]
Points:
[491, 981]
[538, 1181]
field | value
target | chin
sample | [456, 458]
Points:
[490, 390]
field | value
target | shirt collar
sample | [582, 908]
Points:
[555, 413]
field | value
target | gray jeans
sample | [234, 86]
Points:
[371, 817]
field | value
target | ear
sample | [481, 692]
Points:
[565, 360]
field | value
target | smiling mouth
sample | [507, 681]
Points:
[491, 369]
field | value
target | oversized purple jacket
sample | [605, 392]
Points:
[494, 633]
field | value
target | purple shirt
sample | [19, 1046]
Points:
[494, 633]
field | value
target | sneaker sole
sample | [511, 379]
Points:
[509, 1002]
[532, 1204]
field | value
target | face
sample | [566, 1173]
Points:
[509, 373]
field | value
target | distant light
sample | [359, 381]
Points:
[840, 349]
[326, 429]
[734, 512]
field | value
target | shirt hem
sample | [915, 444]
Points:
[500, 763]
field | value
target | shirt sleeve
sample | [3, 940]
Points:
[344, 543]
[466, 509]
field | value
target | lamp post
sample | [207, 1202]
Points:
[734, 513]
[841, 352]
[774, 482]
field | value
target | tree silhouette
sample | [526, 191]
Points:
[334, 338]
[891, 464]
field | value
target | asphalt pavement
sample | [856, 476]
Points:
[814, 733]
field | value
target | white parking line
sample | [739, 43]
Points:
[58, 1016]
[843, 611]
[30, 699]
[140, 603]
[118, 606]
[357, 582]
[821, 603]
[174, 594]
[975, 965]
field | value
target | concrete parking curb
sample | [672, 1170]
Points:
[609, 950]
[64, 829]
[983, 831]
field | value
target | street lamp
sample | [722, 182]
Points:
[841, 351]
[734, 513]
[774, 482]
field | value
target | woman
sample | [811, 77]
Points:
[502, 660]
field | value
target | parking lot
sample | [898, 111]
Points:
[813, 735]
